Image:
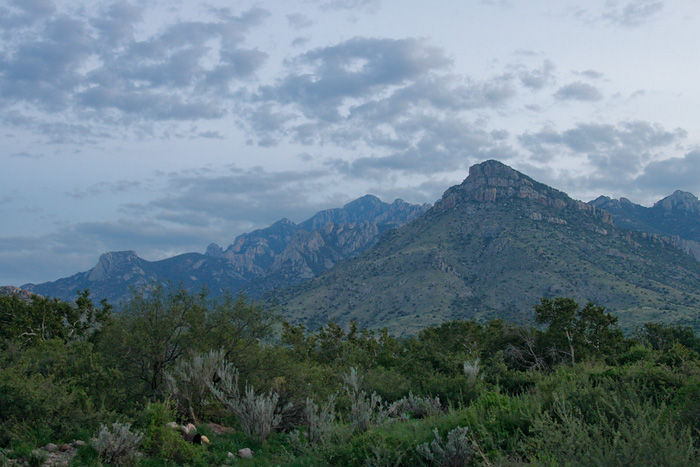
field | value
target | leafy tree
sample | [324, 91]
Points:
[154, 332]
[41, 318]
[237, 325]
[572, 330]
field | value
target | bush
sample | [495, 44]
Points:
[365, 411]
[187, 382]
[163, 442]
[117, 446]
[320, 420]
[420, 407]
[457, 451]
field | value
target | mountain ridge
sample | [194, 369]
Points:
[284, 253]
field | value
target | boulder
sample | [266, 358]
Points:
[245, 453]
[51, 447]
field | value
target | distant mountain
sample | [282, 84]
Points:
[676, 216]
[280, 255]
[118, 273]
[491, 248]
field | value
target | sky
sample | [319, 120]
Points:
[162, 126]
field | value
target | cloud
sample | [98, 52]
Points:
[538, 78]
[632, 14]
[626, 144]
[676, 173]
[94, 68]
[26, 155]
[615, 156]
[299, 21]
[368, 6]
[328, 77]
[43, 71]
[238, 198]
[578, 91]
[121, 186]
[78, 247]
[395, 99]
[21, 13]
[591, 74]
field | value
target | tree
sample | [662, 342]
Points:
[41, 318]
[154, 332]
[237, 325]
[590, 329]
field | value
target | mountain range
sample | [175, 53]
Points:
[490, 247]
[280, 255]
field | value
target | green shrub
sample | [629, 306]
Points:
[162, 442]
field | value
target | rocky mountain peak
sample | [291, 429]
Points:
[214, 250]
[493, 180]
[113, 262]
[680, 201]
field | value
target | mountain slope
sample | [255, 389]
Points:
[492, 247]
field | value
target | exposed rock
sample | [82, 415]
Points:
[20, 293]
[50, 447]
[245, 453]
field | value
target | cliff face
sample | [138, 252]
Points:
[493, 181]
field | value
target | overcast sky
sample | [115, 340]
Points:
[163, 125]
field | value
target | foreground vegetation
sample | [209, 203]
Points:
[574, 391]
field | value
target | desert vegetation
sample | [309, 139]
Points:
[117, 387]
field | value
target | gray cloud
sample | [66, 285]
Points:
[676, 173]
[96, 189]
[632, 14]
[44, 71]
[590, 74]
[27, 155]
[95, 69]
[623, 146]
[368, 6]
[619, 154]
[252, 197]
[538, 78]
[394, 96]
[299, 21]
[353, 69]
[21, 13]
[579, 91]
